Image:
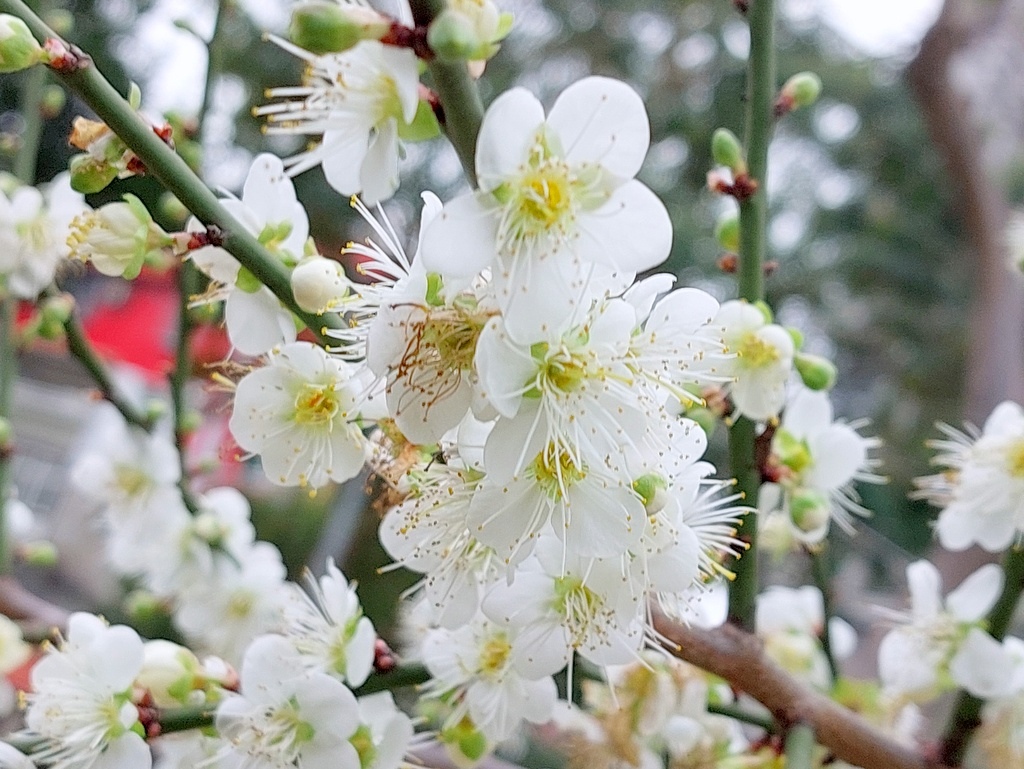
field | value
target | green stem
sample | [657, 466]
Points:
[25, 170]
[761, 89]
[967, 710]
[164, 164]
[183, 719]
[8, 373]
[744, 716]
[28, 153]
[188, 285]
[80, 348]
[460, 99]
[400, 677]
[800, 747]
[822, 578]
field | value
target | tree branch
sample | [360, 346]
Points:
[738, 657]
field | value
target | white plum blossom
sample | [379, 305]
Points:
[914, 656]
[981, 488]
[361, 101]
[558, 212]
[384, 735]
[763, 359]
[476, 663]
[34, 229]
[286, 715]
[817, 460]
[326, 626]
[299, 413]
[423, 339]
[81, 702]
[988, 668]
[256, 320]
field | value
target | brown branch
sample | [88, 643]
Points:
[18, 603]
[739, 658]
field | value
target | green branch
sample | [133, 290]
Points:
[460, 99]
[744, 716]
[967, 710]
[188, 285]
[164, 164]
[82, 351]
[800, 747]
[400, 677]
[761, 88]
[820, 571]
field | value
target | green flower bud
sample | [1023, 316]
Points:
[650, 488]
[452, 37]
[727, 233]
[809, 511]
[797, 336]
[766, 311]
[53, 101]
[726, 150]
[18, 48]
[40, 552]
[816, 372]
[168, 673]
[324, 27]
[90, 174]
[802, 89]
[143, 606]
[704, 417]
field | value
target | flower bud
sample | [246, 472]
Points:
[726, 151]
[809, 511]
[169, 673]
[451, 36]
[816, 372]
[53, 101]
[319, 284]
[326, 27]
[18, 48]
[145, 607]
[704, 417]
[90, 174]
[801, 90]
[766, 311]
[651, 490]
[39, 552]
[727, 232]
[117, 238]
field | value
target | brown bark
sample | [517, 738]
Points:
[738, 657]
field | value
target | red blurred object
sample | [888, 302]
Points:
[20, 677]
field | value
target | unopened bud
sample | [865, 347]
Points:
[18, 48]
[319, 284]
[325, 27]
[172, 209]
[726, 151]
[143, 606]
[53, 101]
[466, 744]
[797, 336]
[727, 232]
[704, 417]
[58, 308]
[651, 490]
[816, 372]
[117, 238]
[40, 552]
[169, 673]
[809, 511]
[90, 174]
[765, 310]
[801, 90]
[452, 37]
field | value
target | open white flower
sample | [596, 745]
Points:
[763, 362]
[476, 663]
[81, 702]
[818, 460]
[34, 230]
[361, 101]
[326, 626]
[256, 320]
[299, 414]
[988, 668]
[913, 657]
[557, 206]
[287, 715]
[981, 489]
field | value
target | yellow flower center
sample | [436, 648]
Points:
[555, 471]
[131, 481]
[754, 352]
[1015, 459]
[316, 404]
[494, 655]
[546, 194]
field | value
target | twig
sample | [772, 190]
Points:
[738, 657]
